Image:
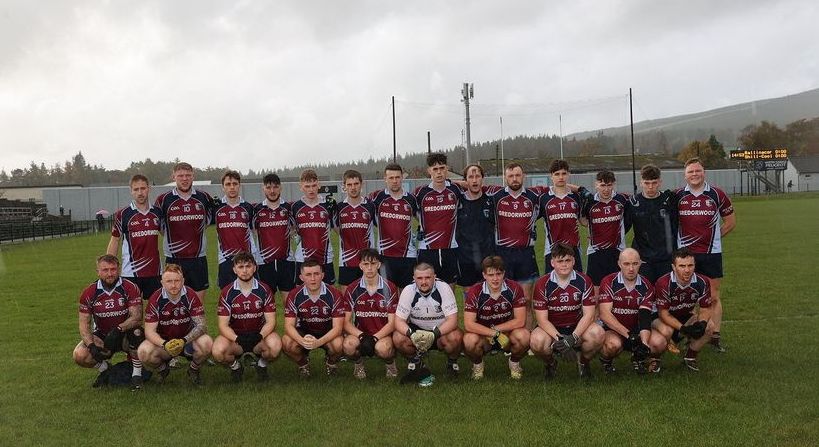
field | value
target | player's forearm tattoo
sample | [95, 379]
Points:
[199, 328]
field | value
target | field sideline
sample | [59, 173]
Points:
[764, 391]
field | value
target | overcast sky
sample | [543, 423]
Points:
[260, 84]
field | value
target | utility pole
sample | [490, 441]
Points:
[633, 161]
[501, 144]
[467, 93]
[429, 143]
[560, 118]
[394, 151]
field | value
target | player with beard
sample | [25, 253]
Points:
[186, 213]
[625, 305]
[137, 226]
[247, 321]
[272, 221]
[175, 326]
[514, 213]
[110, 318]
[684, 302]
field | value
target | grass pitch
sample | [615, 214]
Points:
[764, 391]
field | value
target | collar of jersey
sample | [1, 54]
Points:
[363, 201]
[363, 282]
[181, 294]
[254, 284]
[446, 184]
[485, 287]
[175, 191]
[267, 204]
[693, 279]
[323, 290]
[100, 286]
[553, 276]
[622, 280]
[431, 291]
[705, 188]
[225, 201]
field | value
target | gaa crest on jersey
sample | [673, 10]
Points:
[198, 206]
[526, 204]
[395, 207]
[709, 202]
[323, 214]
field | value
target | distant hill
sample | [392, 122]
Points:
[725, 122]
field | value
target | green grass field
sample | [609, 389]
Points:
[764, 391]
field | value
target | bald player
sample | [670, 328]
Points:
[625, 305]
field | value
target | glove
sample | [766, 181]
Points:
[135, 337]
[248, 341]
[694, 331]
[640, 351]
[366, 345]
[98, 354]
[422, 340]
[174, 346]
[499, 341]
[565, 346]
[113, 341]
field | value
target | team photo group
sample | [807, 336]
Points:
[401, 257]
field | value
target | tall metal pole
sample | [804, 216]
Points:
[503, 161]
[467, 93]
[394, 150]
[560, 118]
[633, 159]
[429, 143]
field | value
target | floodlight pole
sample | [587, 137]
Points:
[394, 151]
[503, 161]
[560, 124]
[633, 159]
[467, 93]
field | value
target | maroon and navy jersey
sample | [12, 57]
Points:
[371, 311]
[560, 218]
[173, 318]
[607, 222]
[184, 223]
[139, 233]
[246, 312]
[313, 225]
[699, 218]
[272, 225]
[314, 315]
[233, 229]
[564, 304]
[109, 308]
[437, 216]
[626, 304]
[515, 218]
[394, 220]
[680, 300]
[494, 311]
[355, 231]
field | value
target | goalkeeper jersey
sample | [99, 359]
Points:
[426, 310]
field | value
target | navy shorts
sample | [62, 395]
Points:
[520, 263]
[195, 271]
[602, 263]
[279, 274]
[444, 261]
[578, 261]
[653, 270]
[708, 264]
[471, 273]
[147, 284]
[398, 270]
[348, 275]
[226, 275]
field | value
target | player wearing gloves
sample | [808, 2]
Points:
[174, 326]
[495, 318]
[625, 304]
[313, 318]
[564, 307]
[110, 317]
[684, 301]
[247, 321]
[427, 318]
[370, 316]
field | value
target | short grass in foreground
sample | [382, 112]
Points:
[764, 391]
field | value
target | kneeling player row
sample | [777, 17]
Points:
[371, 319]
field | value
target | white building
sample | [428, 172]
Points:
[803, 172]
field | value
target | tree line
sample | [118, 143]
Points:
[801, 137]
